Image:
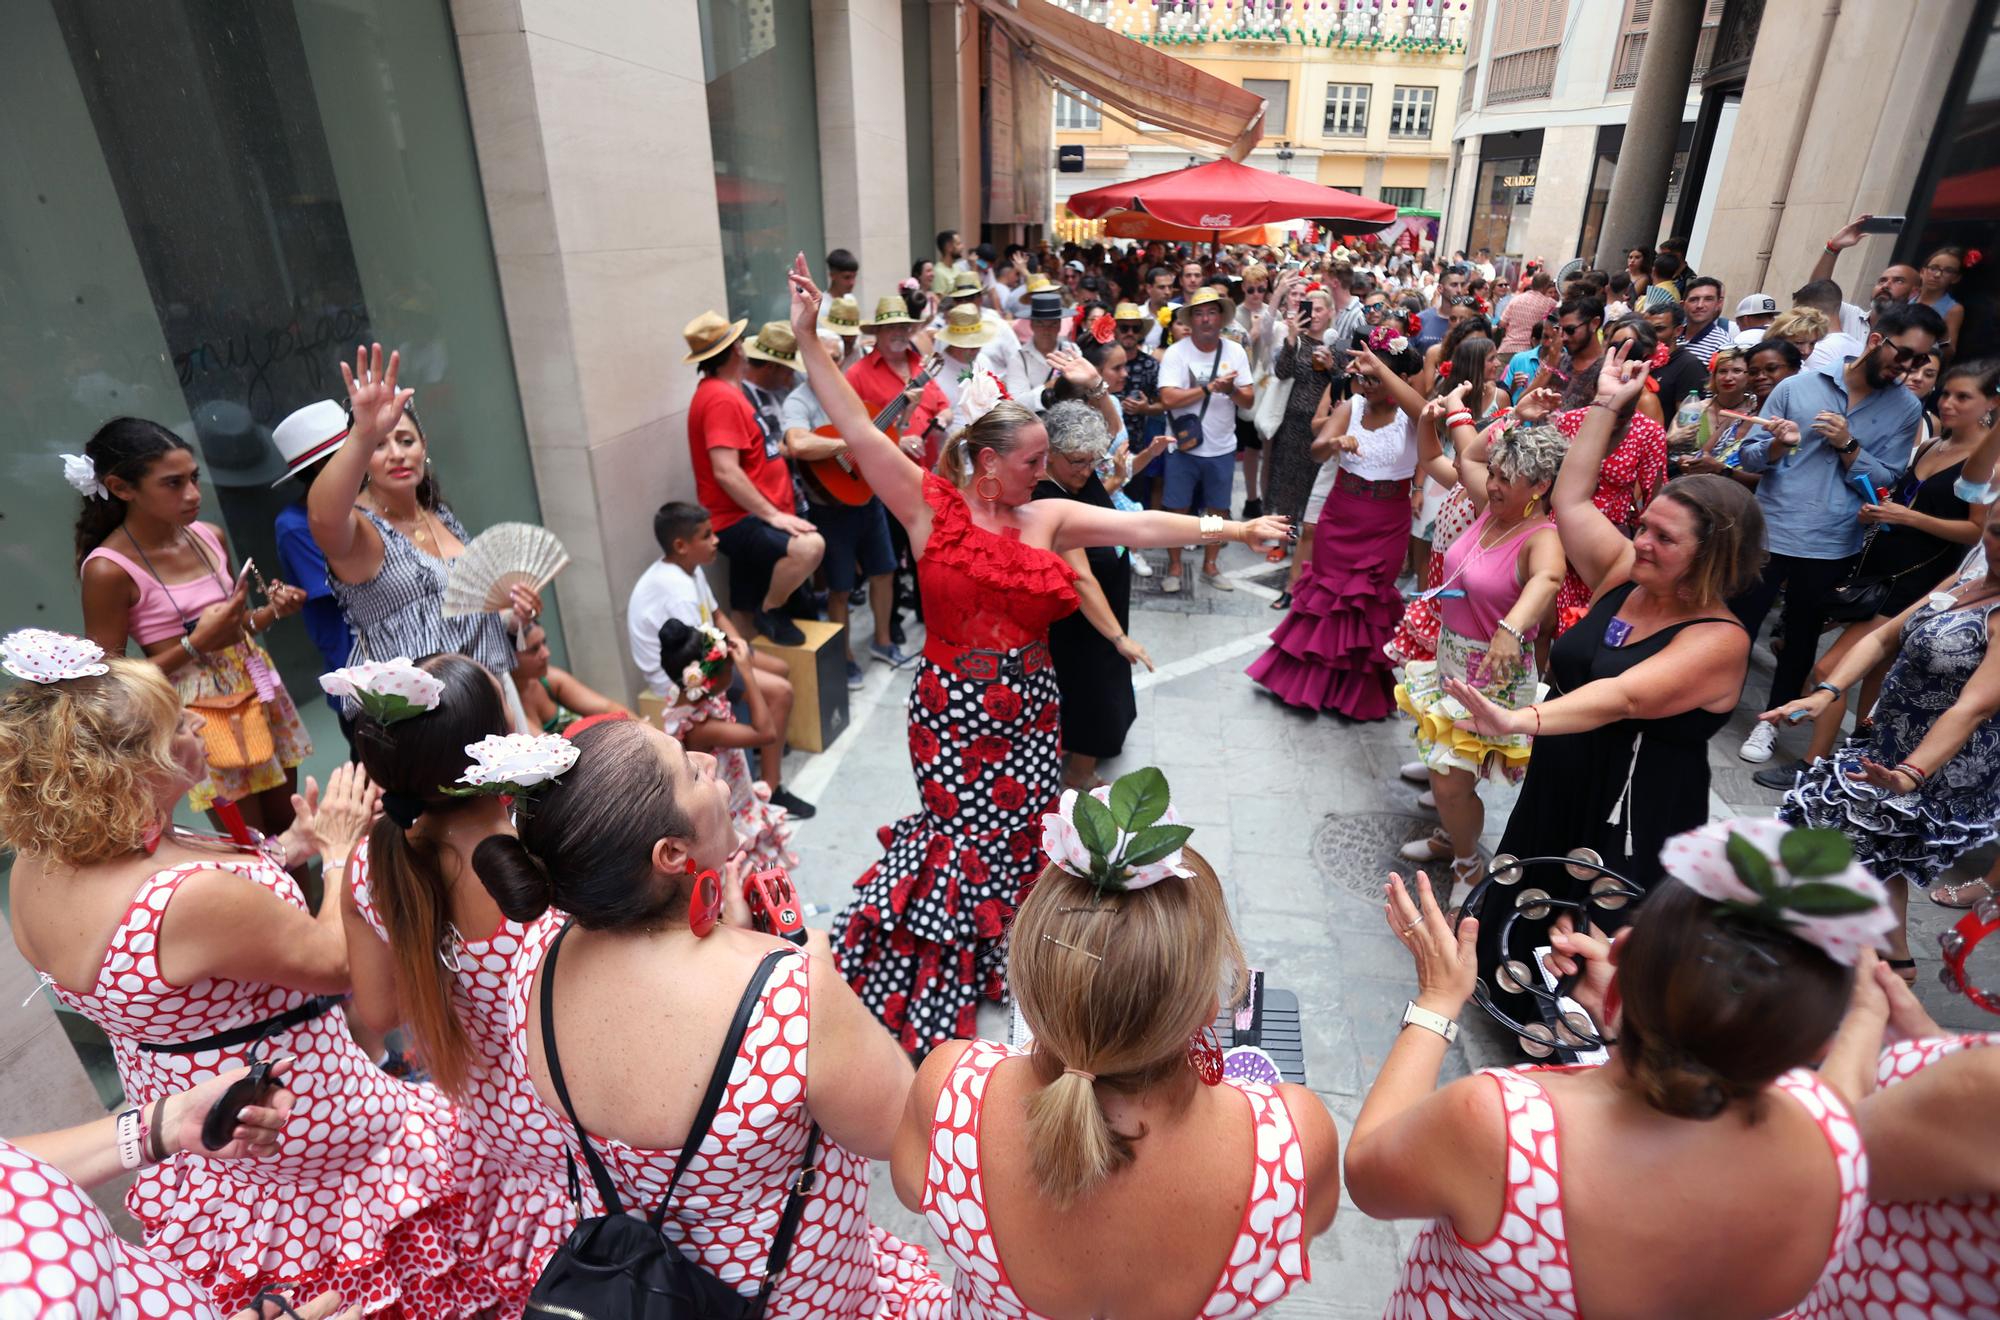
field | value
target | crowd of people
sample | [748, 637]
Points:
[1544, 520]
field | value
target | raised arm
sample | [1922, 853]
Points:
[352, 546]
[1701, 668]
[1843, 238]
[894, 476]
[1599, 551]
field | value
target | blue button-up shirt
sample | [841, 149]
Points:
[1810, 504]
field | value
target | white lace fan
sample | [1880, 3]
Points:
[497, 560]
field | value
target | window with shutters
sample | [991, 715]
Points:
[1632, 42]
[1078, 116]
[1410, 111]
[1403, 197]
[1527, 41]
[1346, 110]
[1277, 94]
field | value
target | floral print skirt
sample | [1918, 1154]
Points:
[228, 671]
[924, 939]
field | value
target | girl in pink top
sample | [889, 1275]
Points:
[1500, 577]
[154, 575]
[1110, 1169]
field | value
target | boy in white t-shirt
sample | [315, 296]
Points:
[676, 588]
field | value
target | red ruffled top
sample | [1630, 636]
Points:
[984, 589]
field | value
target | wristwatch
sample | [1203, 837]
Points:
[1414, 1016]
[1848, 448]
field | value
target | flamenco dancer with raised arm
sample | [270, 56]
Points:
[922, 942]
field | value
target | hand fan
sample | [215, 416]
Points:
[497, 560]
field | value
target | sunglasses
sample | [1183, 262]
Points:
[1906, 357]
[1256, 288]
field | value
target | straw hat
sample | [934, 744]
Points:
[709, 334]
[310, 434]
[1206, 295]
[775, 342]
[966, 284]
[843, 316]
[966, 327]
[1042, 284]
[1131, 312]
[890, 311]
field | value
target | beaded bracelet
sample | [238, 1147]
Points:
[1914, 772]
[1459, 418]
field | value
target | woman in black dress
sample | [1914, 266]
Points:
[1093, 655]
[1641, 683]
[1916, 538]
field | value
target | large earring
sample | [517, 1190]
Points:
[1205, 1056]
[1533, 500]
[705, 902]
[979, 487]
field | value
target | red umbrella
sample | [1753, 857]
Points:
[1225, 195]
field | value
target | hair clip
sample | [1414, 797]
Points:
[386, 690]
[42, 656]
[1063, 944]
[695, 683]
[81, 474]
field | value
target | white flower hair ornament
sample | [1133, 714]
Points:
[81, 474]
[697, 679]
[981, 392]
[1120, 837]
[41, 656]
[513, 763]
[385, 690]
[1803, 881]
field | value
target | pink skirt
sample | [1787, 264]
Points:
[1327, 654]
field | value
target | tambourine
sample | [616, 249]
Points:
[1608, 892]
[1958, 944]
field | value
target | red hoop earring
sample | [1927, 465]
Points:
[979, 487]
[705, 900]
[1205, 1057]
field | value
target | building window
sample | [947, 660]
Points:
[1632, 42]
[1078, 116]
[1410, 112]
[1277, 94]
[1527, 38]
[1404, 197]
[1346, 110]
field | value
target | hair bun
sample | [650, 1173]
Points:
[516, 878]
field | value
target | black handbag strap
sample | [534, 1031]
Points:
[803, 1185]
[1214, 365]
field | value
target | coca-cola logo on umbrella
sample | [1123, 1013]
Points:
[1224, 220]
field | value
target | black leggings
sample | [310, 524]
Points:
[1806, 583]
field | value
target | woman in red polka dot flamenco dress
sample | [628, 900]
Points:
[1113, 1167]
[430, 950]
[195, 957]
[923, 940]
[629, 842]
[1550, 1189]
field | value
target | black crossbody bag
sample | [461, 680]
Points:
[1187, 430]
[618, 1265]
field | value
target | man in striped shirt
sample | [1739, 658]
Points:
[1707, 332]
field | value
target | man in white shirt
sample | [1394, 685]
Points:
[967, 291]
[1753, 314]
[1204, 379]
[1898, 282]
[1024, 368]
[1159, 296]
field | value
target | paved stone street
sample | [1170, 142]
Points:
[1301, 816]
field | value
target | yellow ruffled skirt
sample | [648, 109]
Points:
[1444, 740]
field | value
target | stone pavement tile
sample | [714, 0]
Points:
[1281, 884]
[1267, 821]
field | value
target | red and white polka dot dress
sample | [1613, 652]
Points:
[1269, 1257]
[1523, 1271]
[510, 1160]
[59, 1257]
[361, 1195]
[842, 1266]
[1936, 1261]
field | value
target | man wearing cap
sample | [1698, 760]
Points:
[1023, 368]
[1753, 314]
[305, 440]
[1204, 379]
[746, 490]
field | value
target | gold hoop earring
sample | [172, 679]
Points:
[979, 487]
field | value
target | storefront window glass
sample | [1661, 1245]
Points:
[763, 126]
[1959, 208]
[1502, 203]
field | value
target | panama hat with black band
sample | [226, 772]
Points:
[709, 334]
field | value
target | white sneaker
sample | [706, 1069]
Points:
[1757, 747]
[1171, 583]
[1140, 568]
[1415, 771]
[1427, 800]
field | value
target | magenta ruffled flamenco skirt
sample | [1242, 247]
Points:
[1327, 654]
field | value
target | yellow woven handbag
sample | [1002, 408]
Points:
[234, 730]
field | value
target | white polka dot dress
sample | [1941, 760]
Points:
[362, 1195]
[59, 1258]
[510, 1160]
[1523, 1271]
[842, 1266]
[1934, 1261]
[1269, 1257]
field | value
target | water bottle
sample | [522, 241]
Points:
[1690, 410]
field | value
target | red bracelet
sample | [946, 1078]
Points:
[1538, 719]
[1914, 772]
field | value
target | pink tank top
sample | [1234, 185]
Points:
[1489, 578]
[163, 612]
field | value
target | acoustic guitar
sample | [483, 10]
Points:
[839, 477]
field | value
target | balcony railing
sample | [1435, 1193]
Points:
[1525, 75]
[1361, 25]
[1632, 48]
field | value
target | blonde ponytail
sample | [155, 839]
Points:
[1071, 1144]
[995, 429]
[954, 462]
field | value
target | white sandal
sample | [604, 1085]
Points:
[1433, 847]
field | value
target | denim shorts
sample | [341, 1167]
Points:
[853, 535]
[1198, 484]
